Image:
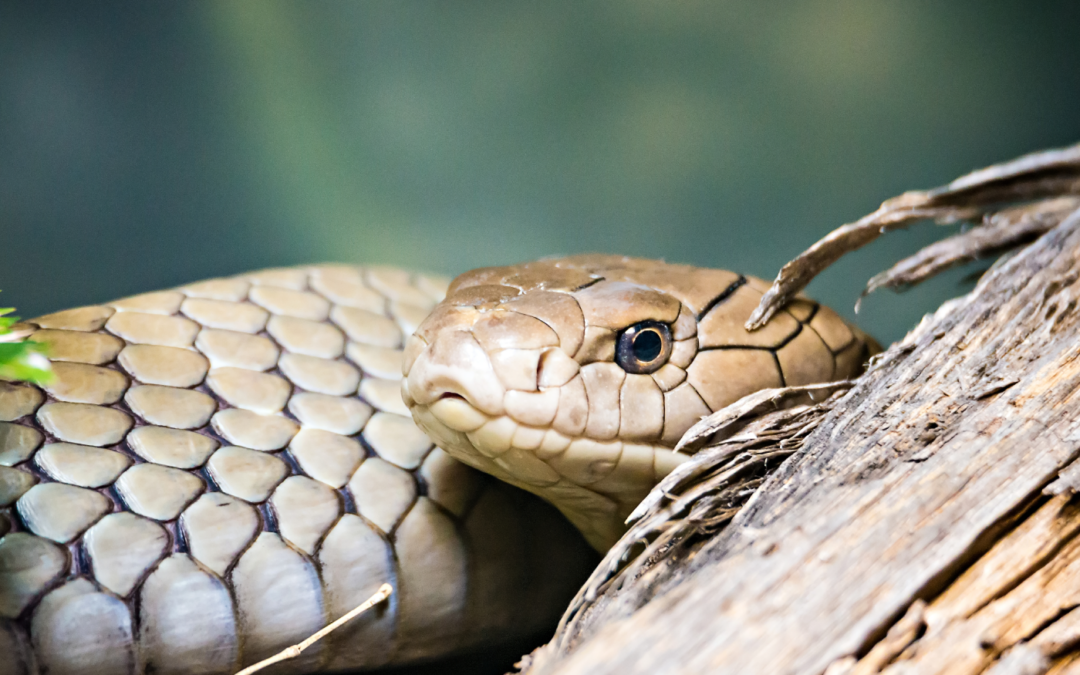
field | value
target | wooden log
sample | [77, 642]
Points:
[926, 523]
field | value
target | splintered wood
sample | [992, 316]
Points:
[924, 520]
[701, 496]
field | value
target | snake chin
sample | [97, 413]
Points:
[595, 483]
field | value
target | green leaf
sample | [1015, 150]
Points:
[19, 358]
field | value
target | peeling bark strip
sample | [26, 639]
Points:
[1050, 173]
[999, 232]
[934, 457]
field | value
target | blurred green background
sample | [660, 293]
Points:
[144, 144]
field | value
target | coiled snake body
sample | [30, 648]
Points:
[218, 471]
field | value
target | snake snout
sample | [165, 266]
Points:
[454, 378]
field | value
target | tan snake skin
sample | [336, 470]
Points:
[516, 372]
[219, 470]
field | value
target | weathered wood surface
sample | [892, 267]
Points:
[925, 525]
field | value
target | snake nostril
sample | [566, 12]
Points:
[556, 368]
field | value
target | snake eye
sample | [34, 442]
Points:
[643, 347]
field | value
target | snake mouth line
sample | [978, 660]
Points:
[596, 484]
[542, 456]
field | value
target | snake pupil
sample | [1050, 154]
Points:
[643, 347]
[648, 345]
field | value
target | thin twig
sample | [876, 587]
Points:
[292, 652]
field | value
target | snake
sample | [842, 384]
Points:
[219, 470]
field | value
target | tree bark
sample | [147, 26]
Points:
[922, 520]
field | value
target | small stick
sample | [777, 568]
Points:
[292, 652]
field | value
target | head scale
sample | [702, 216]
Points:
[574, 377]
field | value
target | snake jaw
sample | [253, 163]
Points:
[497, 412]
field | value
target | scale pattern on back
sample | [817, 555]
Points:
[220, 470]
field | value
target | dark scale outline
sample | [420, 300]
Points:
[724, 295]
[591, 282]
[268, 517]
[348, 503]
[813, 313]
[779, 368]
[226, 576]
[690, 384]
[832, 375]
[269, 512]
[588, 407]
[788, 340]
[774, 350]
[584, 325]
[783, 343]
[421, 482]
[317, 547]
[390, 534]
[80, 560]
[663, 411]
[180, 543]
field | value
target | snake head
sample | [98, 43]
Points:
[574, 378]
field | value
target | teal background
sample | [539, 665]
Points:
[144, 144]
